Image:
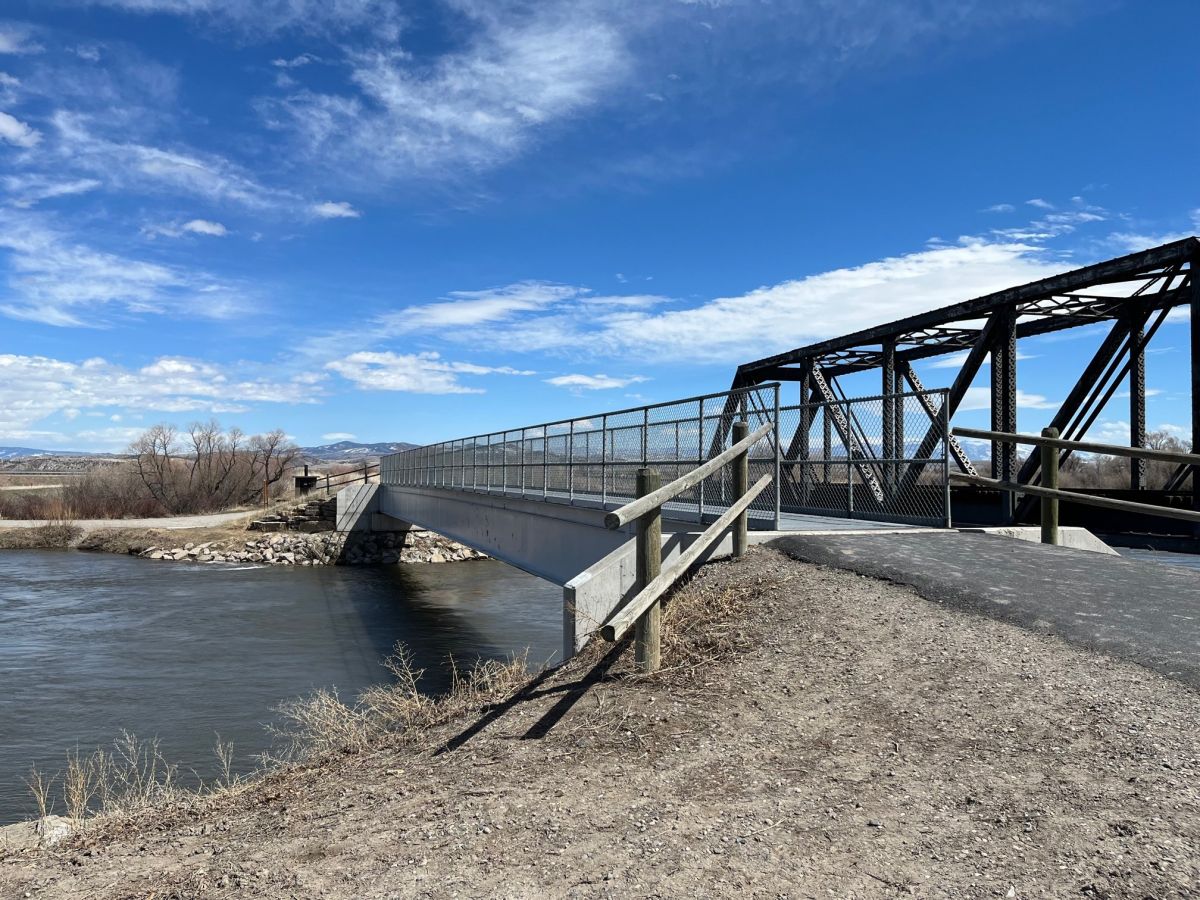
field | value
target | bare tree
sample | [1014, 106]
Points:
[210, 469]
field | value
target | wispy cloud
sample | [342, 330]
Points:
[18, 39]
[1000, 208]
[594, 382]
[266, 18]
[33, 388]
[417, 373]
[338, 436]
[56, 280]
[17, 133]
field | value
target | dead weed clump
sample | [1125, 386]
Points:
[131, 777]
[322, 723]
[703, 621]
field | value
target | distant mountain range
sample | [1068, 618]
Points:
[342, 450]
[25, 452]
[353, 450]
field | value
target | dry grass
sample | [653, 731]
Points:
[132, 776]
[322, 724]
[51, 536]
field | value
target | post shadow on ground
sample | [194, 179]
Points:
[572, 693]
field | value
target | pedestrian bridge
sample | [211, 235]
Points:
[535, 497]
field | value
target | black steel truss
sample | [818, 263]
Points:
[1133, 292]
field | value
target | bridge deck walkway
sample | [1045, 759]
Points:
[760, 520]
[1146, 612]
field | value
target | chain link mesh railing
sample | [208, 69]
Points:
[593, 460]
[882, 458]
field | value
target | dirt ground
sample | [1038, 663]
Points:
[827, 736]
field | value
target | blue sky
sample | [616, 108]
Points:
[420, 221]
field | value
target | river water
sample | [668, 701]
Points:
[93, 643]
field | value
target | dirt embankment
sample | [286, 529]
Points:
[814, 733]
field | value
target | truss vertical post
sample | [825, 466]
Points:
[1004, 400]
[1137, 396]
[827, 441]
[803, 453]
[1194, 278]
[889, 417]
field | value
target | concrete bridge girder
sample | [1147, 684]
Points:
[563, 544]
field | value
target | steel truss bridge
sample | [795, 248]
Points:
[1133, 295]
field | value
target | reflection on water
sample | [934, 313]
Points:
[92, 643]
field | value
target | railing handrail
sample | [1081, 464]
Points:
[1082, 446]
[642, 505]
[624, 619]
[610, 412]
[1167, 512]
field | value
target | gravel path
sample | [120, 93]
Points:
[1142, 611]
[825, 735]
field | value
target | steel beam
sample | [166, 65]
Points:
[1194, 328]
[890, 468]
[843, 422]
[1137, 396]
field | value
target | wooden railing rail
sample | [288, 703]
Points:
[1049, 491]
[644, 611]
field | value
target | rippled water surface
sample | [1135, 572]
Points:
[93, 643]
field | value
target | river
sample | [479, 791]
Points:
[94, 643]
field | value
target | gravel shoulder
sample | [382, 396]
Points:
[814, 733]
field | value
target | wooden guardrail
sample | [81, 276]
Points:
[644, 611]
[1049, 491]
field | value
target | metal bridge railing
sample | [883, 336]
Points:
[883, 458]
[593, 460]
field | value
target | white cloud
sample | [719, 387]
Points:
[17, 133]
[331, 210]
[55, 280]
[1040, 203]
[515, 75]
[981, 398]
[463, 308]
[35, 387]
[136, 166]
[417, 373]
[17, 39]
[339, 436]
[770, 319]
[955, 360]
[594, 382]
[265, 18]
[1000, 208]
[295, 62]
[203, 226]
[28, 190]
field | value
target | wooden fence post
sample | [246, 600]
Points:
[648, 629]
[741, 483]
[1050, 480]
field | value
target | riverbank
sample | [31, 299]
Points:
[230, 542]
[813, 732]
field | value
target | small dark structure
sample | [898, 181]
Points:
[1134, 293]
